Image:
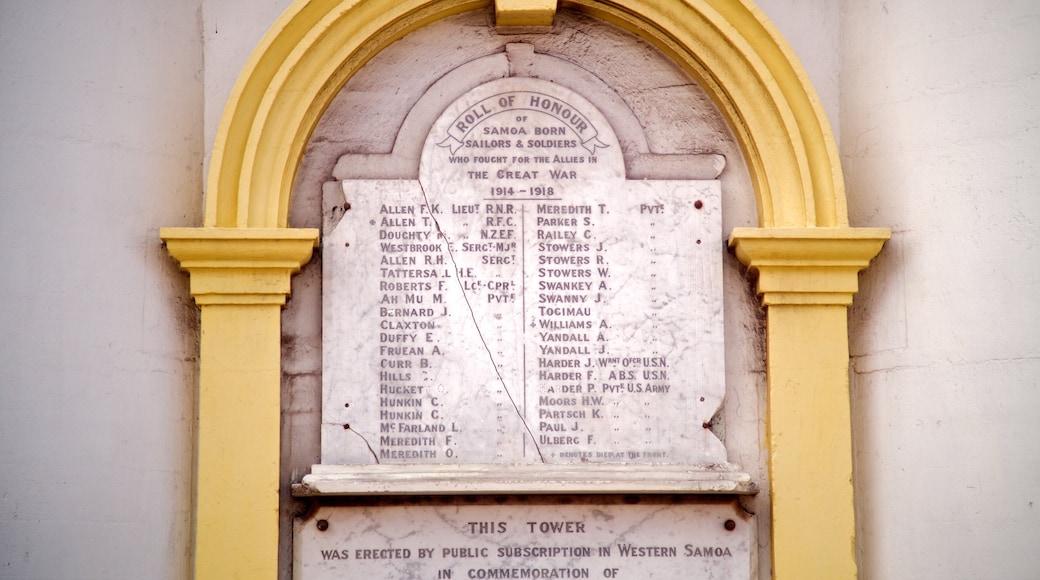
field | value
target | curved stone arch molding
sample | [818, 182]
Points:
[520, 60]
[728, 46]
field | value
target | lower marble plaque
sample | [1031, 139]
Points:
[485, 538]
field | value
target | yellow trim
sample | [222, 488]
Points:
[740, 59]
[236, 474]
[728, 45]
[240, 266]
[291, 77]
[240, 278]
[806, 278]
[810, 442]
[807, 265]
[524, 12]
[805, 255]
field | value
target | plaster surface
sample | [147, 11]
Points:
[940, 142]
[100, 145]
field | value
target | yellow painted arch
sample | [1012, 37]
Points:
[727, 45]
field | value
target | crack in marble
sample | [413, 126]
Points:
[476, 325]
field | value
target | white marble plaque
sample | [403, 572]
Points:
[522, 302]
[635, 542]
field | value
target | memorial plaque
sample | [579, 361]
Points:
[523, 302]
[636, 541]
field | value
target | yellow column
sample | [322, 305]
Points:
[806, 280]
[240, 278]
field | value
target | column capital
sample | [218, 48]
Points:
[240, 265]
[807, 265]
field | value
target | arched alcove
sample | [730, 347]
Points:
[805, 255]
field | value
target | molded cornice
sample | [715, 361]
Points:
[807, 265]
[240, 265]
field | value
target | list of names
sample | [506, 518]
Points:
[523, 302]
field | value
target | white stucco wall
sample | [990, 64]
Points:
[109, 110]
[100, 144]
[941, 142]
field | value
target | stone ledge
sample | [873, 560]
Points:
[344, 480]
